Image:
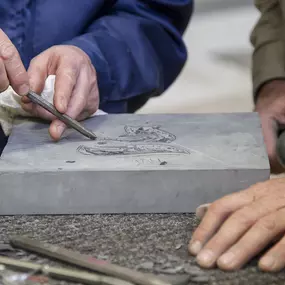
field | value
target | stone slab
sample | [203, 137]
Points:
[151, 243]
[138, 164]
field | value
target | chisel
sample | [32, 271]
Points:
[85, 261]
[59, 273]
[39, 100]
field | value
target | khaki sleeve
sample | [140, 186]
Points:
[268, 58]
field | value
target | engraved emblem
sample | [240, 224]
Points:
[135, 141]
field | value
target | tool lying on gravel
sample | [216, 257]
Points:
[59, 273]
[84, 261]
[32, 269]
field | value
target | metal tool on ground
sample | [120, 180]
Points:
[39, 100]
[85, 261]
[60, 273]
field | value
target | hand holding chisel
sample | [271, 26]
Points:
[64, 118]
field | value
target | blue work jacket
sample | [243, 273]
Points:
[136, 46]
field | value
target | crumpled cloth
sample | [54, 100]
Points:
[10, 105]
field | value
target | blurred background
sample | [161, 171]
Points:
[217, 76]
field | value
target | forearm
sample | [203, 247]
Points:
[268, 59]
[136, 50]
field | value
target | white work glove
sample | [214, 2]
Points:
[10, 105]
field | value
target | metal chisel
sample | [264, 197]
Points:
[85, 261]
[39, 100]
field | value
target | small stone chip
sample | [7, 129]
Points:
[193, 270]
[172, 270]
[6, 247]
[178, 246]
[148, 265]
[181, 279]
[200, 279]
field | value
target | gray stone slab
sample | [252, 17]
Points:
[139, 164]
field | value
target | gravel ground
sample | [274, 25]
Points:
[150, 243]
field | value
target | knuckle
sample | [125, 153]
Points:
[81, 55]
[217, 207]
[93, 70]
[34, 63]
[200, 232]
[71, 74]
[244, 218]
[93, 103]
[87, 58]
[62, 97]
[4, 84]
[267, 224]
[8, 51]
[20, 77]
[82, 59]
[93, 84]
[92, 109]
[19, 72]
[255, 189]
[82, 102]
[3, 77]
[93, 74]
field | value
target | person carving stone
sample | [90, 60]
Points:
[268, 72]
[113, 55]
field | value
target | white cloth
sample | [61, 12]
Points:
[10, 106]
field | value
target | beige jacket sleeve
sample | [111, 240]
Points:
[267, 38]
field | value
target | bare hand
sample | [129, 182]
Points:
[76, 90]
[239, 226]
[12, 70]
[271, 108]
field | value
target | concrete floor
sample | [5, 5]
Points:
[217, 75]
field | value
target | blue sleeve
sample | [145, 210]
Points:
[137, 48]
